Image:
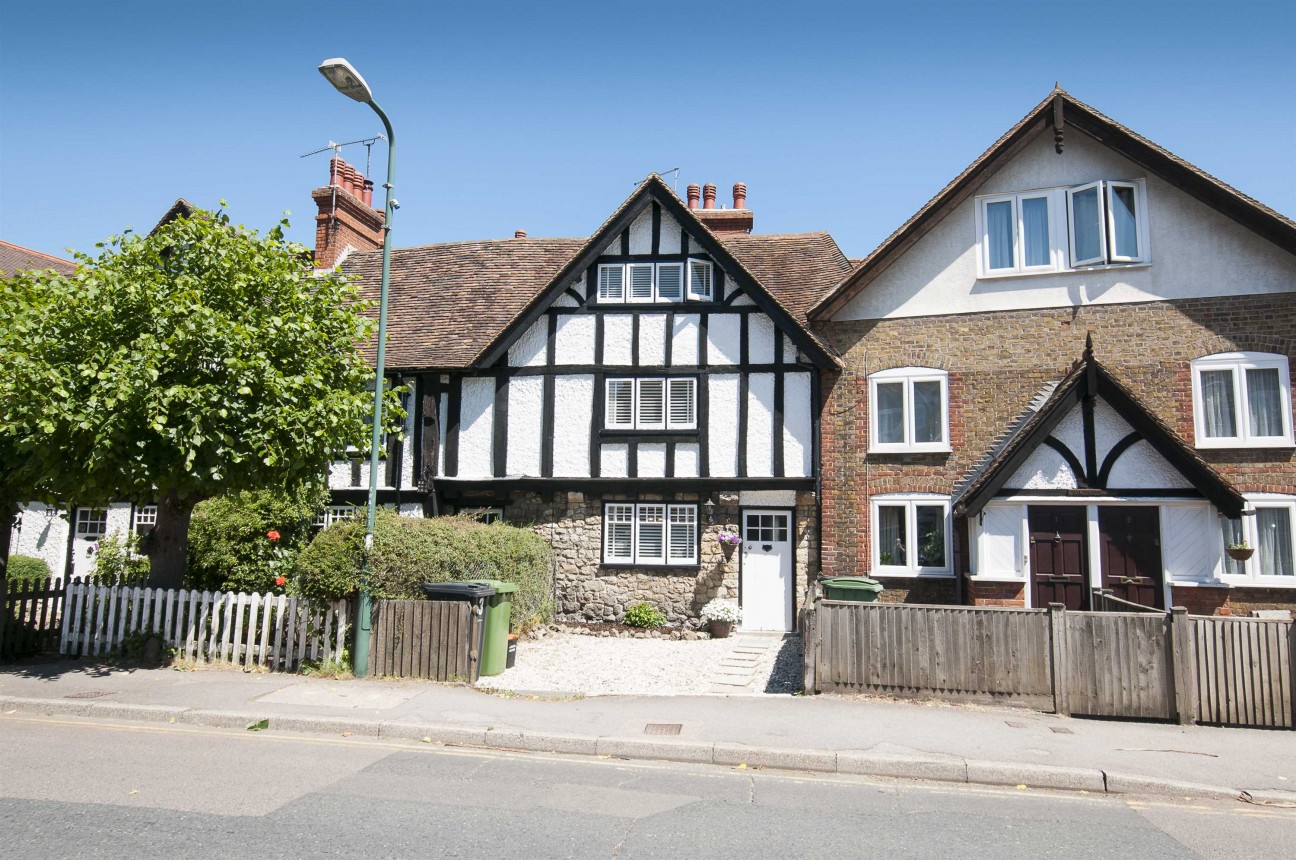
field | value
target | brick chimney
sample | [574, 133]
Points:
[737, 220]
[347, 220]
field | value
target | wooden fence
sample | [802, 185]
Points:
[30, 617]
[1228, 671]
[440, 640]
[274, 631]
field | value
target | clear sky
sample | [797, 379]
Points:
[542, 115]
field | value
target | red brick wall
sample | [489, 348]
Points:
[998, 361]
[1232, 601]
[996, 593]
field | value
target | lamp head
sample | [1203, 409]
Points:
[346, 80]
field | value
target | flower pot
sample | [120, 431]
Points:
[728, 550]
[720, 629]
[1240, 553]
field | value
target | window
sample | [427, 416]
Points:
[145, 519]
[909, 410]
[655, 282]
[651, 404]
[1269, 530]
[911, 535]
[1062, 229]
[91, 523]
[1242, 400]
[489, 515]
[333, 514]
[650, 534]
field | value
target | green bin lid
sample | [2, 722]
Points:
[857, 583]
[500, 586]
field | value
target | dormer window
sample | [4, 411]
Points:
[655, 283]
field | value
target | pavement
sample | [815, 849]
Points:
[834, 734]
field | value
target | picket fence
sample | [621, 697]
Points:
[274, 631]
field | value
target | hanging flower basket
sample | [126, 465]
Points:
[1240, 552]
[728, 543]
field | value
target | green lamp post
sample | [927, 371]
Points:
[343, 76]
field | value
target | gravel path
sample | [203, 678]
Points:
[596, 665]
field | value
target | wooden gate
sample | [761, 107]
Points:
[1244, 671]
[31, 613]
[1119, 665]
[435, 639]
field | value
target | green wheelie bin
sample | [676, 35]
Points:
[499, 608]
[859, 589]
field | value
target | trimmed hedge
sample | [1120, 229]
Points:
[410, 551]
[228, 547]
[26, 568]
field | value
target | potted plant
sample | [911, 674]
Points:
[1240, 551]
[728, 543]
[720, 616]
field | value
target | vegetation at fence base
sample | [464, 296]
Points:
[118, 561]
[26, 568]
[410, 551]
[643, 615]
[229, 544]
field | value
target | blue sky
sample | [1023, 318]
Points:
[839, 116]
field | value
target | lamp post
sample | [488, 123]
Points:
[343, 76]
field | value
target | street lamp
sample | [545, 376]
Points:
[346, 80]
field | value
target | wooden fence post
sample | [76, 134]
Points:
[1182, 665]
[810, 647]
[1291, 673]
[1058, 652]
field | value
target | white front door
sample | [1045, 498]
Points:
[90, 527]
[767, 570]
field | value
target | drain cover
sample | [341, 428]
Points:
[89, 694]
[1016, 724]
[663, 728]
[1060, 730]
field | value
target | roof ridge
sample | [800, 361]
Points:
[27, 250]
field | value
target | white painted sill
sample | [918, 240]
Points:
[1226, 444]
[1035, 273]
[997, 577]
[899, 573]
[909, 449]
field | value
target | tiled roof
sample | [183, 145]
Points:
[15, 258]
[798, 269]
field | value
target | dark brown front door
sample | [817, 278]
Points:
[1130, 539]
[1059, 558]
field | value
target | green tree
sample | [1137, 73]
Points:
[199, 360]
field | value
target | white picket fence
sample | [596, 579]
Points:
[270, 630]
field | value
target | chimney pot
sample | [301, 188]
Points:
[519, 234]
[368, 192]
[694, 194]
[740, 195]
[335, 170]
[708, 195]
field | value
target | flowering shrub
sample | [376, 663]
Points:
[722, 610]
[730, 538]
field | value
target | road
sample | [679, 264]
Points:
[77, 787]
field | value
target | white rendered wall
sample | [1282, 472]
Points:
[529, 350]
[339, 476]
[614, 460]
[789, 351]
[618, 339]
[574, 339]
[652, 460]
[798, 431]
[724, 338]
[1140, 465]
[684, 340]
[1044, 469]
[686, 460]
[443, 404]
[767, 498]
[407, 444]
[476, 428]
[573, 411]
[760, 339]
[525, 409]
[641, 232]
[722, 425]
[760, 425]
[1195, 251]
[43, 535]
[652, 340]
[670, 234]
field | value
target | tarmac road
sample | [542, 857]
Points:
[80, 787]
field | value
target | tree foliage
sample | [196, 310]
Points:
[199, 360]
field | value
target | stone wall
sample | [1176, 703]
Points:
[588, 590]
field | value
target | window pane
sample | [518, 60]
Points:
[652, 410]
[1086, 224]
[1218, 410]
[681, 403]
[641, 282]
[931, 535]
[620, 403]
[891, 535]
[683, 532]
[1035, 231]
[652, 533]
[999, 234]
[890, 412]
[670, 281]
[1264, 401]
[928, 419]
[611, 283]
[1124, 223]
[699, 279]
[1232, 530]
[1274, 534]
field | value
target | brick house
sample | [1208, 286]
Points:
[630, 395]
[1071, 369]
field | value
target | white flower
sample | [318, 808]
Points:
[722, 610]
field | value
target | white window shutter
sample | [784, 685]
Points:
[652, 408]
[641, 282]
[681, 412]
[611, 286]
[699, 280]
[618, 533]
[620, 403]
[682, 543]
[651, 541]
[670, 282]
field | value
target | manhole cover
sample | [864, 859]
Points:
[89, 694]
[1060, 730]
[663, 728]
[1016, 724]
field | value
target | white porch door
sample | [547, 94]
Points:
[767, 570]
[90, 527]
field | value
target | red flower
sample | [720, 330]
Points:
[273, 535]
[281, 581]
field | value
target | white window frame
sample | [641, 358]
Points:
[672, 517]
[1250, 533]
[1238, 363]
[620, 297]
[92, 515]
[1018, 266]
[910, 502]
[1109, 186]
[334, 514]
[688, 293]
[637, 401]
[908, 376]
[695, 295]
[1071, 193]
[146, 516]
